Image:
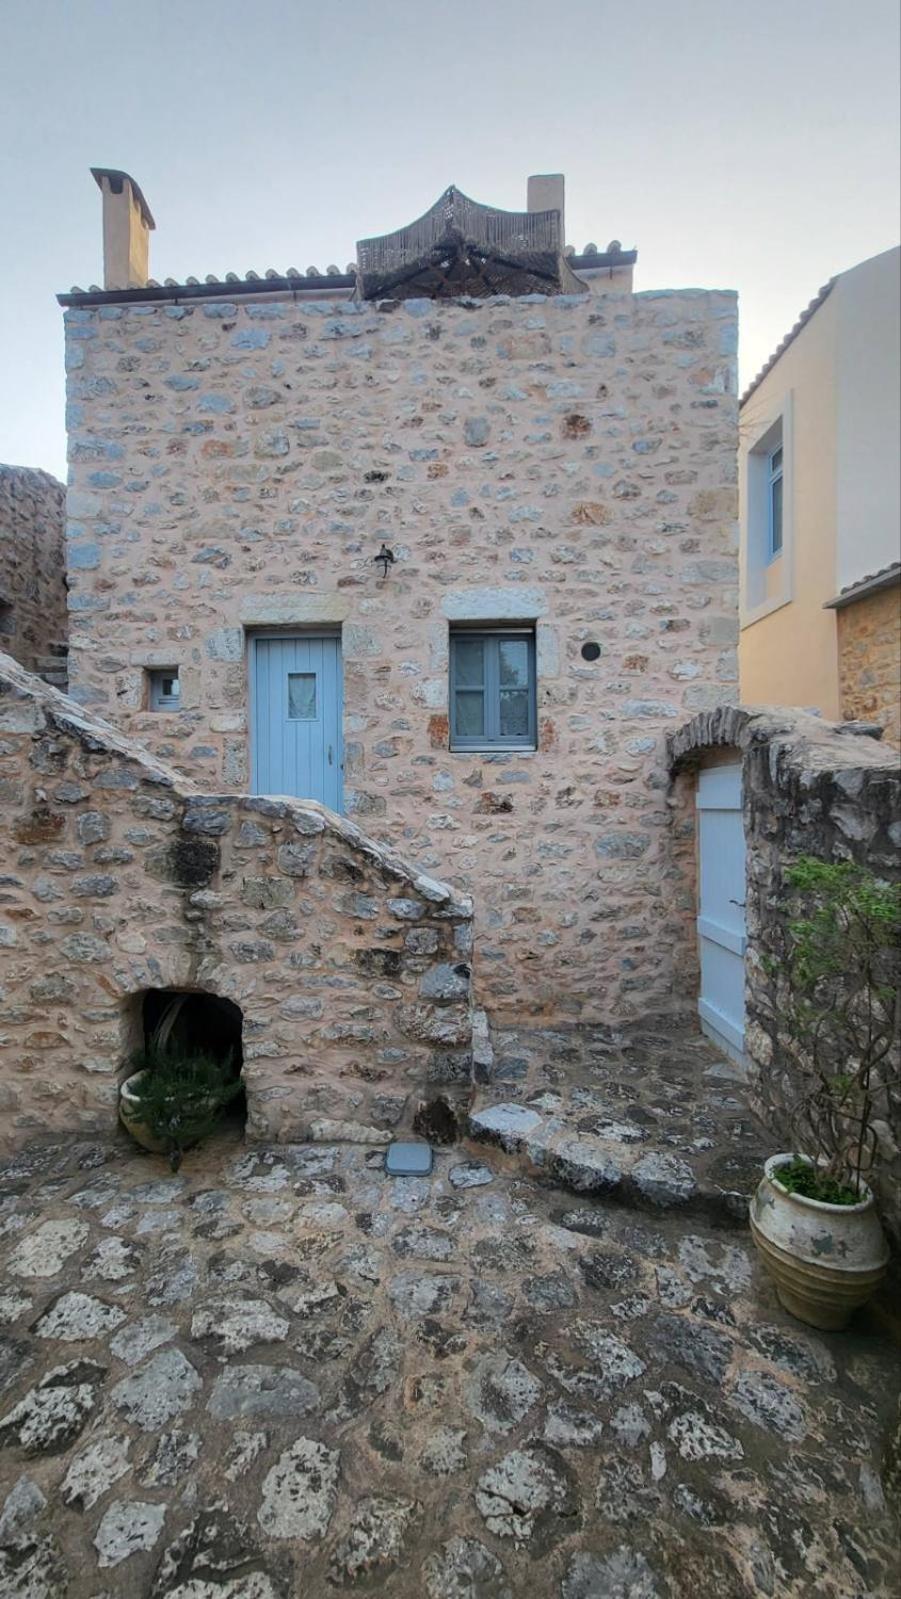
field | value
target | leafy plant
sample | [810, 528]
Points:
[181, 1096]
[842, 1012]
[799, 1177]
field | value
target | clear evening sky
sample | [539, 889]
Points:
[752, 146]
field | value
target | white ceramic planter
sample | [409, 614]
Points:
[128, 1115]
[825, 1260]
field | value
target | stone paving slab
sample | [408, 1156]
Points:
[654, 1117]
[281, 1373]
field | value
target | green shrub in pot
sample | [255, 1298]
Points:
[813, 1216]
[173, 1098]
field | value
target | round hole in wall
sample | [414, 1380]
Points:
[591, 651]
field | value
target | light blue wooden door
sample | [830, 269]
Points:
[721, 909]
[296, 718]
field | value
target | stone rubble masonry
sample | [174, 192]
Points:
[118, 876]
[568, 461]
[810, 787]
[33, 620]
[869, 660]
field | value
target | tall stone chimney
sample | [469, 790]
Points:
[126, 230]
[545, 192]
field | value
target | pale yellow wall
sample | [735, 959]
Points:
[788, 650]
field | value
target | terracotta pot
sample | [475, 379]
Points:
[825, 1260]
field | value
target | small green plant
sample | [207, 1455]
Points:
[842, 1009]
[180, 1096]
[797, 1177]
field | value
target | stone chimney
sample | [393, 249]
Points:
[126, 230]
[545, 192]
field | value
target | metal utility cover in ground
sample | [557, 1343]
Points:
[408, 1160]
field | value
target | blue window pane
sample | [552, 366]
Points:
[492, 690]
[302, 696]
[514, 713]
[469, 662]
[470, 714]
[513, 654]
[776, 516]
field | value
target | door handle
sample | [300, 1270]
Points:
[739, 902]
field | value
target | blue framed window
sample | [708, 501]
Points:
[774, 503]
[492, 689]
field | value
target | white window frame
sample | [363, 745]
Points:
[767, 575]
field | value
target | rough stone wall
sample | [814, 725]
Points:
[117, 876]
[33, 619]
[569, 461]
[810, 787]
[869, 660]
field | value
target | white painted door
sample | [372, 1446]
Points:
[721, 909]
[296, 717]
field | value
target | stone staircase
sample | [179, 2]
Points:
[54, 667]
[652, 1117]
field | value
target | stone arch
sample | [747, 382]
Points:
[788, 735]
[726, 725]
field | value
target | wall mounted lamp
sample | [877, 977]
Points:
[384, 559]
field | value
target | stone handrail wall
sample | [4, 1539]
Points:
[118, 876]
[810, 787]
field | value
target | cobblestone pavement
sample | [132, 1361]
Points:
[281, 1373]
[652, 1115]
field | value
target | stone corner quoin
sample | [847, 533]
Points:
[567, 462]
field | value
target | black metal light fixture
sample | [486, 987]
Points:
[384, 559]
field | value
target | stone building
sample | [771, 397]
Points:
[447, 542]
[33, 618]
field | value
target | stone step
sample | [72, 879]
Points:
[58, 680]
[615, 1167]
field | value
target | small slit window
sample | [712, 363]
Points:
[492, 689]
[164, 692]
